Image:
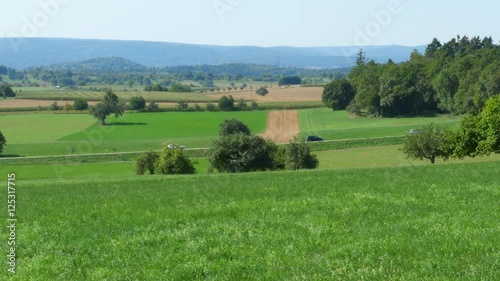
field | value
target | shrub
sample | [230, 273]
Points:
[211, 107]
[146, 162]
[173, 161]
[3, 141]
[298, 156]
[262, 91]
[137, 103]
[182, 105]
[238, 153]
[152, 107]
[233, 126]
[226, 103]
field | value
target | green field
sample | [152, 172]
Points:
[69, 95]
[412, 223]
[61, 134]
[339, 125]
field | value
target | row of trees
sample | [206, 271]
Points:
[456, 77]
[236, 151]
[478, 135]
[174, 88]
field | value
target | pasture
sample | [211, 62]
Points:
[61, 134]
[424, 222]
[338, 125]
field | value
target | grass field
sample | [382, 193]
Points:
[61, 134]
[412, 223]
[339, 125]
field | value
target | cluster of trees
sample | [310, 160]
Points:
[174, 88]
[478, 135]
[118, 71]
[237, 151]
[290, 80]
[6, 91]
[455, 77]
[171, 161]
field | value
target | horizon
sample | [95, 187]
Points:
[201, 44]
[279, 23]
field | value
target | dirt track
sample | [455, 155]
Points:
[282, 126]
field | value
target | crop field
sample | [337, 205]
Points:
[339, 125]
[68, 95]
[369, 224]
[61, 134]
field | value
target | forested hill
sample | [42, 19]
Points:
[457, 76]
[32, 52]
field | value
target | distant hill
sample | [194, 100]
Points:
[108, 64]
[22, 53]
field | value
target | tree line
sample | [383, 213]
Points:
[456, 77]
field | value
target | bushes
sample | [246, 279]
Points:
[233, 126]
[237, 151]
[172, 161]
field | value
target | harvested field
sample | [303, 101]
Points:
[282, 126]
[292, 94]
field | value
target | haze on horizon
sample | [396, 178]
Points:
[297, 23]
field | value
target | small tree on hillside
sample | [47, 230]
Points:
[233, 126]
[153, 107]
[80, 104]
[3, 141]
[262, 91]
[430, 142]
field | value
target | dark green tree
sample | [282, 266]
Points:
[239, 153]
[338, 94]
[480, 135]
[6, 91]
[290, 80]
[226, 103]
[80, 104]
[262, 91]
[233, 126]
[3, 142]
[137, 103]
[110, 104]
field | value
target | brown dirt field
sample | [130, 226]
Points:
[282, 126]
[291, 94]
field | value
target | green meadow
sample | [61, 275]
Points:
[61, 134]
[337, 125]
[408, 223]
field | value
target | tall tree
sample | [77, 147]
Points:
[338, 94]
[110, 104]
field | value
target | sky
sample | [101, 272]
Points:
[301, 23]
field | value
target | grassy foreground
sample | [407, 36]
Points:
[411, 223]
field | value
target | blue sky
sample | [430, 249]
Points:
[253, 22]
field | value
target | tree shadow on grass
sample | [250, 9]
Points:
[10, 156]
[126, 124]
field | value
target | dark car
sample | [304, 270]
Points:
[313, 138]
